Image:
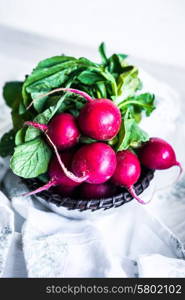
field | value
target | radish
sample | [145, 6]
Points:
[62, 130]
[97, 161]
[127, 172]
[157, 154]
[97, 191]
[57, 176]
[99, 119]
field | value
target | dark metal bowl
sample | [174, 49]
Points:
[121, 197]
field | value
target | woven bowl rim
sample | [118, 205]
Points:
[122, 197]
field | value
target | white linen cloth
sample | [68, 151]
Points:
[124, 243]
[127, 243]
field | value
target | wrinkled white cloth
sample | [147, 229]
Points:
[124, 244]
[6, 230]
[157, 265]
[129, 242]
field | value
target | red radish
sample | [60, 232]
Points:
[63, 167]
[157, 154]
[57, 175]
[62, 130]
[127, 172]
[97, 191]
[55, 172]
[99, 119]
[97, 161]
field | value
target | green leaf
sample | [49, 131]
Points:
[52, 61]
[116, 65]
[128, 83]
[90, 77]
[130, 135]
[43, 86]
[12, 93]
[41, 78]
[7, 143]
[44, 118]
[20, 136]
[39, 101]
[138, 103]
[86, 140]
[102, 90]
[103, 53]
[44, 177]
[122, 57]
[31, 159]
[87, 63]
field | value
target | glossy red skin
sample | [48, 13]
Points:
[157, 154]
[100, 119]
[128, 169]
[96, 191]
[56, 172]
[98, 160]
[63, 131]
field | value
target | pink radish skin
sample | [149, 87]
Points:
[97, 191]
[57, 176]
[96, 160]
[127, 172]
[99, 119]
[56, 173]
[62, 130]
[44, 128]
[157, 154]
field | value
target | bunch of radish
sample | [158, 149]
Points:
[95, 168]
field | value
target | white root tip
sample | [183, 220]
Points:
[133, 193]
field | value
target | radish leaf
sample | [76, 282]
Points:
[31, 158]
[130, 135]
[7, 143]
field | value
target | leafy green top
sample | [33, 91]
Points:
[113, 78]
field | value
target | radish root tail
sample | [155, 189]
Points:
[47, 186]
[69, 174]
[174, 181]
[180, 171]
[65, 170]
[133, 193]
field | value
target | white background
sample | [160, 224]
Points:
[148, 29]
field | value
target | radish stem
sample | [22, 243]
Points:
[42, 188]
[69, 174]
[39, 126]
[83, 94]
[66, 172]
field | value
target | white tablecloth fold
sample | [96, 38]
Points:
[123, 244]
